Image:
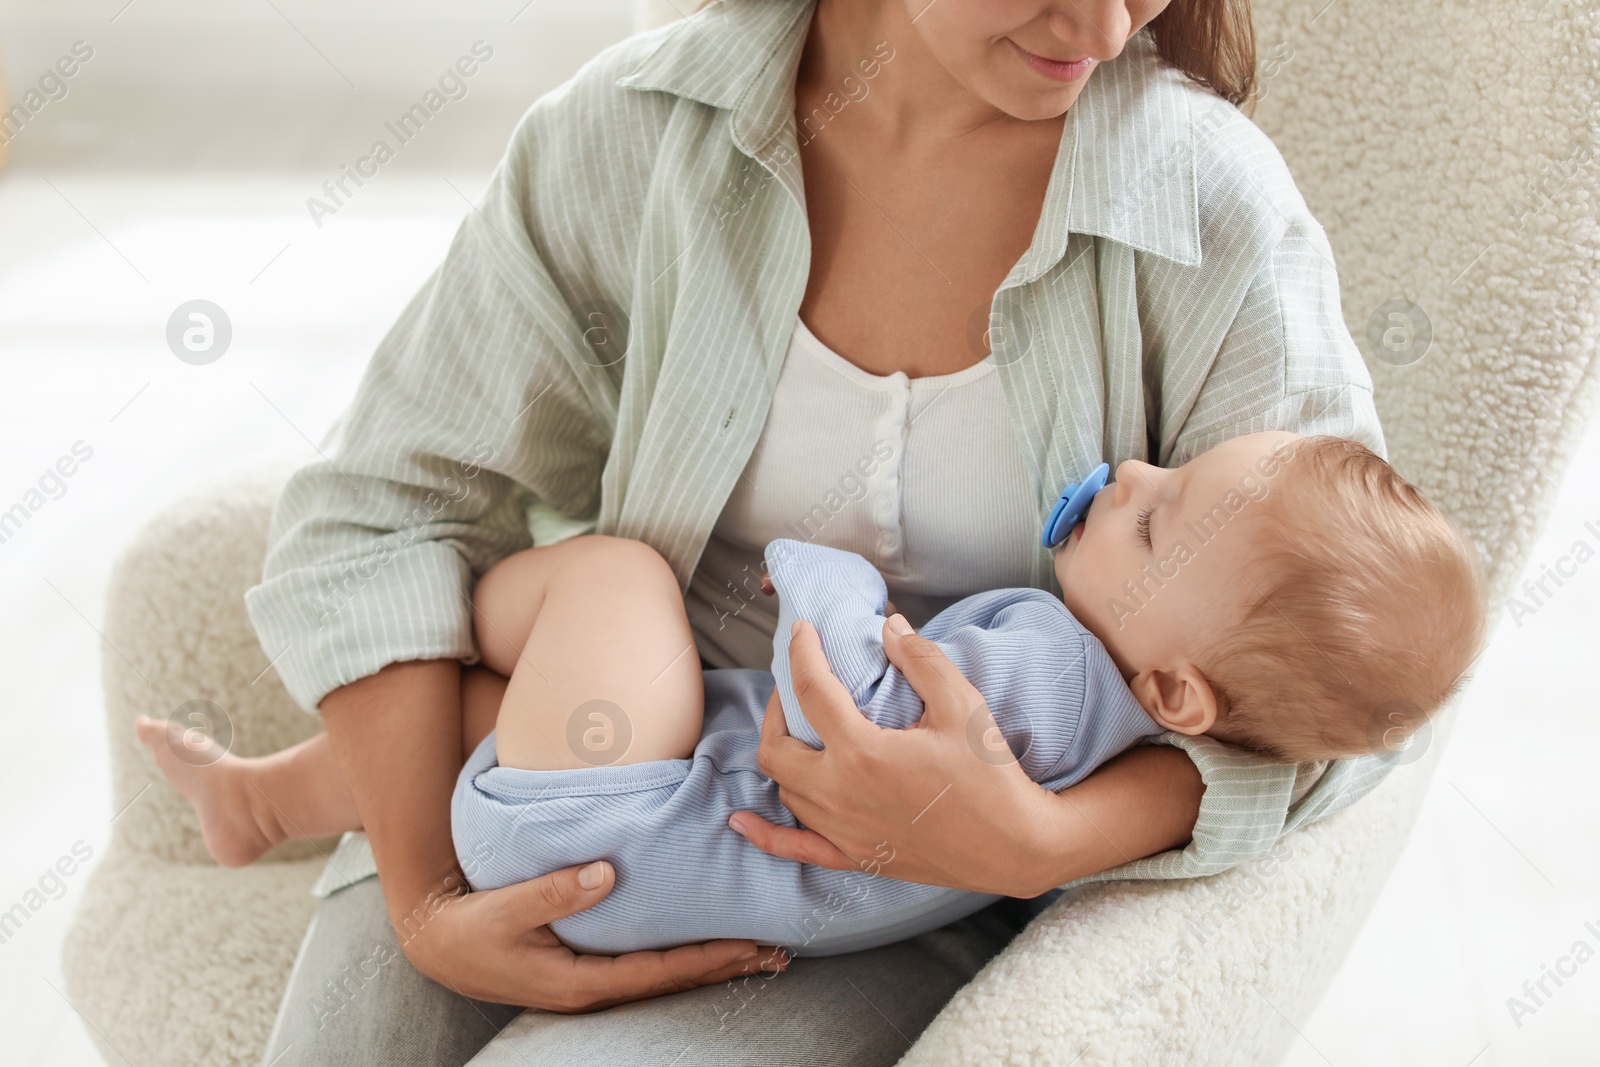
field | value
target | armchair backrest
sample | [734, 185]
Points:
[1452, 154]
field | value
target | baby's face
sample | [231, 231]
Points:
[1164, 557]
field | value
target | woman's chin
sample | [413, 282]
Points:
[1034, 106]
[1030, 103]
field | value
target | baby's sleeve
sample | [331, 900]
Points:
[844, 597]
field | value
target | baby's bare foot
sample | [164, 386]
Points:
[218, 786]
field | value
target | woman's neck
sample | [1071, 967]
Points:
[915, 99]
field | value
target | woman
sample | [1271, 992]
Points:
[741, 276]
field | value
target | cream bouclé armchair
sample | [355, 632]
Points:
[1449, 150]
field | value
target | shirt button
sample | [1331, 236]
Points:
[888, 541]
[883, 503]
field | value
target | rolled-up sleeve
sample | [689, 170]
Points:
[476, 404]
[1288, 362]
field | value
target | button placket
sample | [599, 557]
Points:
[892, 427]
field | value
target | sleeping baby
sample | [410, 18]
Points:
[1289, 595]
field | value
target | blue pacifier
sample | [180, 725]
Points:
[1072, 505]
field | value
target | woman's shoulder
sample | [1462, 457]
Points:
[1172, 168]
[1238, 168]
[596, 100]
[709, 61]
[581, 161]
[1236, 164]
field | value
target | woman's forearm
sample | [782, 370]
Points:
[397, 735]
[1143, 802]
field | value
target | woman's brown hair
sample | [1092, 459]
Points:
[1212, 41]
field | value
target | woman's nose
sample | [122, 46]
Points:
[1098, 27]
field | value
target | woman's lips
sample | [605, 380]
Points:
[1050, 68]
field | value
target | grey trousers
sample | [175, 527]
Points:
[354, 999]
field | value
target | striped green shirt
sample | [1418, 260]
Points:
[600, 344]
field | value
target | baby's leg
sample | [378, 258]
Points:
[246, 805]
[602, 663]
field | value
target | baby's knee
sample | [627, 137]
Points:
[622, 559]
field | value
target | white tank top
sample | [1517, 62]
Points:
[920, 475]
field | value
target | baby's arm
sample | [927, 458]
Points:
[844, 597]
[889, 610]
[1061, 706]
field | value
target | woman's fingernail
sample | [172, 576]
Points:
[736, 824]
[741, 957]
[897, 623]
[794, 627]
[591, 876]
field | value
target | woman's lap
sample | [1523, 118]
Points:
[354, 999]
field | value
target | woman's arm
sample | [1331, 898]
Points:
[494, 945]
[1142, 802]
[921, 805]
[486, 395]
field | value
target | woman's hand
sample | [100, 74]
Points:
[940, 803]
[928, 804]
[497, 946]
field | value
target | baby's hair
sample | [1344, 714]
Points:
[1364, 611]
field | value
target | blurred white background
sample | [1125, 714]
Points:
[178, 167]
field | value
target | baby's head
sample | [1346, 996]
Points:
[1292, 595]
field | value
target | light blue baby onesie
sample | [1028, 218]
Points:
[684, 876]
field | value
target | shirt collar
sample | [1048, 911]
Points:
[1124, 171]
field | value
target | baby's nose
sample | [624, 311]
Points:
[1126, 476]
[1131, 473]
[1129, 469]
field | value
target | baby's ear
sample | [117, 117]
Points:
[1179, 698]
